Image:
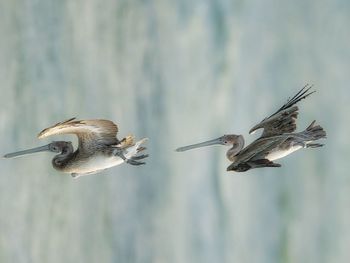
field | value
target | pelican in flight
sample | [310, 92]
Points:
[277, 140]
[98, 147]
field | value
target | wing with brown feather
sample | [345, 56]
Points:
[88, 131]
[283, 120]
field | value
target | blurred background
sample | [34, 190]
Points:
[178, 72]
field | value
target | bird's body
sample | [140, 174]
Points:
[278, 139]
[98, 147]
[104, 157]
[282, 150]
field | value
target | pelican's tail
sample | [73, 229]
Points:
[128, 141]
[312, 133]
[315, 132]
[135, 148]
[138, 144]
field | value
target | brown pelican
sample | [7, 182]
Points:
[278, 138]
[98, 147]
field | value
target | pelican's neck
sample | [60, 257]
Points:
[235, 149]
[61, 160]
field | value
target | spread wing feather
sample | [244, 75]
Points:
[88, 131]
[283, 120]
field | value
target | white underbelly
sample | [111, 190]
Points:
[279, 153]
[100, 162]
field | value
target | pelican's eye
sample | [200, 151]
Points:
[55, 148]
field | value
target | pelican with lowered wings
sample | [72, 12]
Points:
[278, 138]
[98, 147]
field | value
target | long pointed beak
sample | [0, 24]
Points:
[199, 145]
[29, 151]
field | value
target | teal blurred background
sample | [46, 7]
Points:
[178, 72]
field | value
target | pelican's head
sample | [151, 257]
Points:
[56, 147]
[229, 140]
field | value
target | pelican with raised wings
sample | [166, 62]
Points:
[98, 147]
[278, 138]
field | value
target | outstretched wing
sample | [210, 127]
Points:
[283, 120]
[88, 131]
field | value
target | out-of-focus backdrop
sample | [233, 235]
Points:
[178, 72]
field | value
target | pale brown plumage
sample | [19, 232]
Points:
[88, 132]
[98, 147]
